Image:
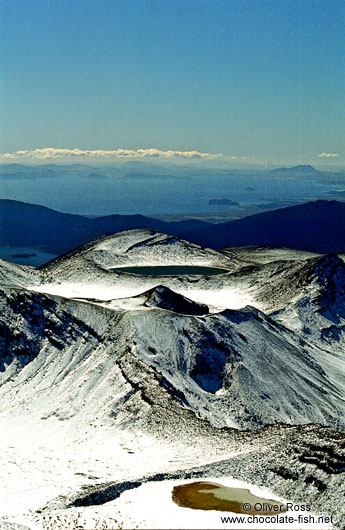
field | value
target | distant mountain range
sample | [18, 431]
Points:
[300, 170]
[315, 226]
[144, 169]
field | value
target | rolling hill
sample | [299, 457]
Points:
[315, 226]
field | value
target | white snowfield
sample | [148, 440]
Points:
[114, 387]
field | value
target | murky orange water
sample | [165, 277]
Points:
[213, 496]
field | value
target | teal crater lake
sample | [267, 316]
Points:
[172, 270]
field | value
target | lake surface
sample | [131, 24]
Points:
[25, 256]
[173, 270]
[213, 496]
[153, 195]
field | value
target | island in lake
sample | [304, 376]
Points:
[223, 202]
[23, 255]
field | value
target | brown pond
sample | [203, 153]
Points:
[213, 496]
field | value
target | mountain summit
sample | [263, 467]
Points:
[300, 170]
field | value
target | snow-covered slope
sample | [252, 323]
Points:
[318, 312]
[156, 374]
[241, 369]
[142, 247]
[236, 368]
[17, 275]
[260, 255]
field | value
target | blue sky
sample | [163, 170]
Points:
[256, 81]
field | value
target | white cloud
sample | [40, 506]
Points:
[328, 155]
[52, 153]
[48, 153]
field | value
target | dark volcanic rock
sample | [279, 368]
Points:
[165, 298]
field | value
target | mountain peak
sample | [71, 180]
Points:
[304, 167]
[164, 298]
[301, 169]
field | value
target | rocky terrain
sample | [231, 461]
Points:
[114, 384]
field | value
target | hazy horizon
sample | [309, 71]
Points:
[217, 164]
[146, 188]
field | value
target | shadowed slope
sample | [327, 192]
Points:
[316, 226]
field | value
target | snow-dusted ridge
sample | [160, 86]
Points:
[144, 247]
[108, 378]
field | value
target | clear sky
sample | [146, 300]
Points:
[258, 79]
